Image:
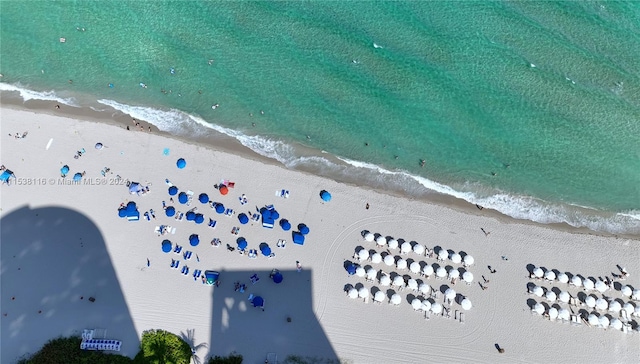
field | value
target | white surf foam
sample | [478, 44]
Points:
[27, 94]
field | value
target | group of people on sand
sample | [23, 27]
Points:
[19, 135]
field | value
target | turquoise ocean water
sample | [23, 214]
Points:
[529, 108]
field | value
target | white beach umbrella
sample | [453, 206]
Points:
[424, 288]
[564, 296]
[398, 281]
[576, 281]
[604, 321]
[616, 324]
[601, 287]
[553, 313]
[601, 304]
[376, 258]
[615, 306]
[626, 291]
[590, 301]
[636, 294]
[368, 237]
[443, 254]
[360, 272]
[395, 299]
[415, 267]
[454, 273]
[629, 307]
[385, 280]
[418, 249]
[450, 294]
[401, 264]
[379, 296]
[550, 275]
[389, 260]
[538, 308]
[538, 272]
[405, 248]
[551, 296]
[412, 284]
[393, 244]
[563, 314]
[436, 308]
[467, 277]
[372, 273]
[588, 284]
[466, 304]
[441, 272]
[592, 319]
[363, 292]
[353, 293]
[363, 254]
[563, 278]
[427, 270]
[381, 241]
[426, 305]
[456, 258]
[468, 260]
[538, 291]
[416, 304]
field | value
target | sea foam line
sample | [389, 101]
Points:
[27, 94]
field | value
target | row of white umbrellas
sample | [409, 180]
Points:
[593, 319]
[379, 296]
[587, 283]
[415, 267]
[417, 248]
[590, 301]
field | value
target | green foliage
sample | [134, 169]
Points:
[162, 347]
[233, 358]
[67, 350]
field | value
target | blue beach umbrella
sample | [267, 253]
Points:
[325, 196]
[351, 269]
[191, 216]
[122, 212]
[170, 211]
[173, 190]
[219, 208]
[275, 215]
[194, 240]
[64, 170]
[203, 198]
[131, 206]
[181, 163]
[77, 177]
[199, 219]
[285, 224]
[303, 229]
[166, 246]
[242, 243]
[243, 218]
[258, 301]
[264, 248]
[277, 278]
[183, 198]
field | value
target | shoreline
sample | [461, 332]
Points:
[224, 143]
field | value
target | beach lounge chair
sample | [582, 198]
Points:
[281, 243]
[253, 253]
[575, 321]
[177, 249]
[254, 278]
[212, 223]
[229, 212]
[187, 255]
[462, 317]
[87, 334]
[251, 296]
[427, 315]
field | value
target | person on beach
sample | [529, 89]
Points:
[367, 206]
[486, 233]
[298, 266]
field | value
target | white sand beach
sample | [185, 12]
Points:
[62, 243]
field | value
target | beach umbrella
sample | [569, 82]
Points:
[303, 229]
[203, 198]
[602, 304]
[538, 272]
[564, 296]
[399, 282]
[629, 308]
[538, 308]
[468, 260]
[363, 254]
[604, 321]
[258, 301]
[276, 215]
[191, 216]
[553, 313]
[454, 273]
[401, 264]
[538, 291]
[467, 277]
[412, 284]
[636, 294]
[199, 219]
[173, 190]
[615, 306]
[601, 286]
[243, 218]
[550, 275]
[381, 241]
[379, 296]
[166, 246]
[219, 208]
[456, 258]
[360, 272]
[576, 281]
[353, 293]
[264, 248]
[563, 278]
[466, 304]
[426, 305]
[122, 212]
[441, 272]
[99, 146]
[424, 288]
[427, 270]
[376, 258]
[405, 247]
[277, 278]
[194, 240]
[372, 273]
[368, 237]
[385, 280]
[414, 267]
[626, 291]
[351, 269]
[416, 304]
[170, 211]
[590, 301]
[450, 294]
[563, 314]
[77, 177]
[285, 224]
[551, 296]
[588, 284]
[223, 190]
[443, 254]
[592, 319]
[389, 260]
[436, 308]
[325, 196]
[183, 198]
[242, 243]
[363, 292]
[395, 299]
[418, 249]
[131, 206]
[64, 170]
[181, 163]
[616, 324]
[393, 244]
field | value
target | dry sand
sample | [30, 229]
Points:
[61, 242]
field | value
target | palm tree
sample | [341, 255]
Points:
[190, 338]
